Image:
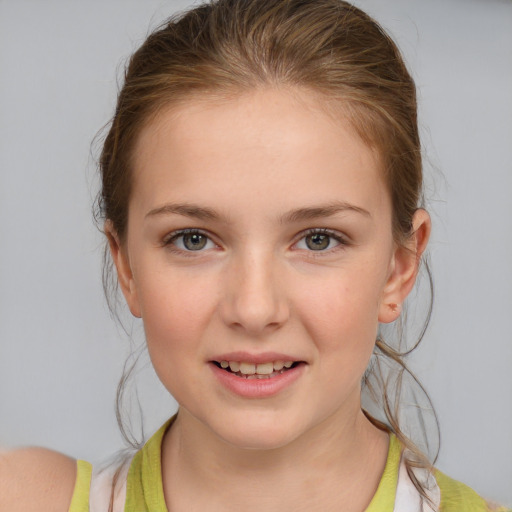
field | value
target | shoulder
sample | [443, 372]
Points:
[36, 479]
[458, 497]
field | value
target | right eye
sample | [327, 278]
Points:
[189, 240]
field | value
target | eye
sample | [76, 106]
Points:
[189, 240]
[320, 240]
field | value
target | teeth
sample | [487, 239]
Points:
[262, 369]
[247, 368]
[234, 365]
[265, 368]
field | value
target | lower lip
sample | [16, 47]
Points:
[257, 388]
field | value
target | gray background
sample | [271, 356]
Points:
[60, 352]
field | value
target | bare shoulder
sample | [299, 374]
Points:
[36, 479]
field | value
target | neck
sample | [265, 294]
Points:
[339, 461]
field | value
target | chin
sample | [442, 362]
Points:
[258, 442]
[256, 433]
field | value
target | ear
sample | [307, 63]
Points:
[124, 271]
[404, 268]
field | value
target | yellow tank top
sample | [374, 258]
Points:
[144, 489]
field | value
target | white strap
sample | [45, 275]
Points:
[101, 489]
[408, 499]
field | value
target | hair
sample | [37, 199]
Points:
[326, 47]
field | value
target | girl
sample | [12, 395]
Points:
[261, 192]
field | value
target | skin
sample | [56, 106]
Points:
[256, 286]
[36, 479]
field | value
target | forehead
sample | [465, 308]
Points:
[285, 145]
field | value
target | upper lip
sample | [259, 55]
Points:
[262, 357]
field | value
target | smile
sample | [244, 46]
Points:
[256, 376]
[247, 370]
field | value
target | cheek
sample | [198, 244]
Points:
[341, 316]
[175, 310]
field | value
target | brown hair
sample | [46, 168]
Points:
[326, 46]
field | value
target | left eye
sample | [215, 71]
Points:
[191, 241]
[319, 241]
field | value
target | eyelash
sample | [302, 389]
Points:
[342, 241]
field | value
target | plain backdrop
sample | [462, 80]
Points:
[60, 352]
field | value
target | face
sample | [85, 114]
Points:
[259, 234]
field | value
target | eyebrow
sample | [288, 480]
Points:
[327, 210]
[187, 210]
[300, 214]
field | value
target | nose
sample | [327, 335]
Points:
[255, 299]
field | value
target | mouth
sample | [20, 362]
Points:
[257, 376]
[261, 371]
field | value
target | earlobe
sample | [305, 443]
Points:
[123, 268]
[404, 268]
[389, 312]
